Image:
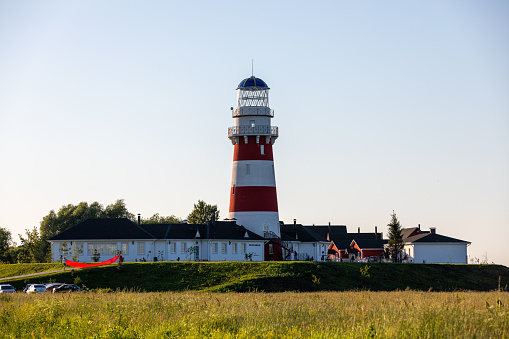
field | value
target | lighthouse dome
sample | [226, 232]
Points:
[253, 82]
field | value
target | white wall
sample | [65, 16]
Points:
[430, 253]
[152, 248]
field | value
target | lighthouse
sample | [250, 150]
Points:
[253, 198]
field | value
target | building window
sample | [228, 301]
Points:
[234, 248]
[102, 248]
[125, 248]
[141, 248]
[242, 248]
[248, 168]
[262, 149]
[173, 247]
[233, 190]
[223, 248]
[214, 247]
[271, 249]
[183, 247]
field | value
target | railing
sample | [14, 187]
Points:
[270, 235]
[249, 111]
[236, 131]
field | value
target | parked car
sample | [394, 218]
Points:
[67, 288]
[6, 288]
[36, 288]
[51, 286]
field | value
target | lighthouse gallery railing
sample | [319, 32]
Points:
[257, 130]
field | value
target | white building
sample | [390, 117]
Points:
[214, 241]
[430, 247]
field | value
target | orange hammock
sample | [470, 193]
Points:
[78, 264]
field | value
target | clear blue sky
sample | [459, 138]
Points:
[381, 106]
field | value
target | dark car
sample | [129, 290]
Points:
[51, 286]
[67, 288]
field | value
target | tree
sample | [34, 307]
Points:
[395, 244]
[118, 210]
[157, 219]
[202, 213]
[6, 244]
[32, 247]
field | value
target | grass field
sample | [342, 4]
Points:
[363, 314]
[11, 270]
[278, 277]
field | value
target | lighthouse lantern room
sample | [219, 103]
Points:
[253, 198]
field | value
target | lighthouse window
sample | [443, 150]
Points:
[248, 168]
[262, 149]
[251, 123]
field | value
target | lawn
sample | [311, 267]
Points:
[12, 270]
[362, 314]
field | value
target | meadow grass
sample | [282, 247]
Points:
[362, 314]
[11, 270]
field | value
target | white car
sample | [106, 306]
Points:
[36, 288]
[6, 288]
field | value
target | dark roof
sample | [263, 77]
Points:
[104, 228]
[431, 237]
[370, 243]
[253, 82]
[406, 232]
[123, 228]
[300, 233]
[352, 236]
[324, 230]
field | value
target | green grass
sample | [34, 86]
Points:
[11, 270]
[281, 276]
[364, 314]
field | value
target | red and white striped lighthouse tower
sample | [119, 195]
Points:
[253, 198]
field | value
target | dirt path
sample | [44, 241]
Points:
[39, 273]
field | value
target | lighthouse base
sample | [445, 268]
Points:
[265, 224]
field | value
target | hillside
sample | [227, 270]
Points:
[281, 276]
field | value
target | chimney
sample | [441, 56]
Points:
[376, 232]
[419, 227]
[358, 230]
[433, 230]
[139, 218]
[294, 224]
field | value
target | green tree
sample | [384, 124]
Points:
[395, 243]
[6, 244]
[32, 247]
[157, 219]
[118, 210]
[202, 213]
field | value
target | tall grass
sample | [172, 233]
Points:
[403, 314]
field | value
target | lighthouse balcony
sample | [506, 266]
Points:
[252, 111]
[267, 130]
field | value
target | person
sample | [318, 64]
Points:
[64, 262]
[121, 258]
[292, 256]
